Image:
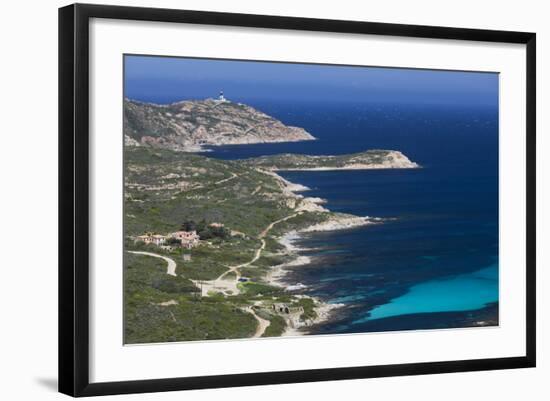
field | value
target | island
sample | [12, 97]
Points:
[189, 125]
[207, 243]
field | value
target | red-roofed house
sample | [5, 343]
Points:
[188, 239]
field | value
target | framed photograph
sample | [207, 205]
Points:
[250, 199]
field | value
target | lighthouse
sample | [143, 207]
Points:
[221, 98]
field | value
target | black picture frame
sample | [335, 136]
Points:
[74, 198]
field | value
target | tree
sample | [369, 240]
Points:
[220, 232]
[205, 233]
[188, 225]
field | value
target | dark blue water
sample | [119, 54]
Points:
[437, 256]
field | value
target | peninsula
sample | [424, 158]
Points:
[370, 159]
[191, 124]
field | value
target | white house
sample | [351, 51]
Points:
[150, 238]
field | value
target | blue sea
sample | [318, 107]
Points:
[434, 262]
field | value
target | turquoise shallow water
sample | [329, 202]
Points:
[463, 292]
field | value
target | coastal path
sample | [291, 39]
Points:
[170, 269]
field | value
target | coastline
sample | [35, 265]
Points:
[206, 147]
[276, 274]
[352, 167]
[324, 313]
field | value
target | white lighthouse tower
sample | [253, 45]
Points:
[221, 98]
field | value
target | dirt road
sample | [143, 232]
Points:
[170, 269]
[262, 324]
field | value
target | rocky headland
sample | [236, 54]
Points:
[189, 125]
[370, 159]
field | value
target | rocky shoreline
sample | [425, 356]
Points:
[275, 277]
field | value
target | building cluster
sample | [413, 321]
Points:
[186, 239]
[286, 309]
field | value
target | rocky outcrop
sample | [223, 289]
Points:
[189, 125]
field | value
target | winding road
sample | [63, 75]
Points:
[170, 269]
[229, 286]
[258, 252]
